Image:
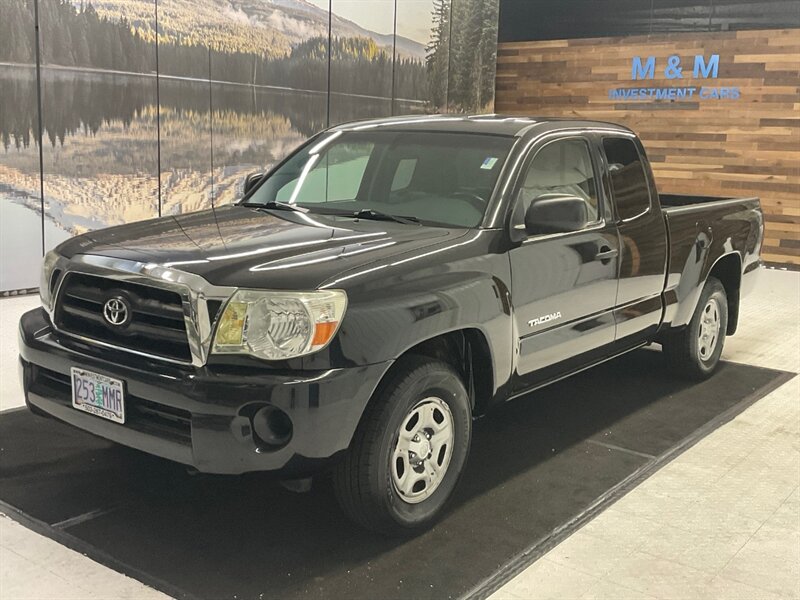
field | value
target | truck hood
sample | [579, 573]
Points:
[250, 247]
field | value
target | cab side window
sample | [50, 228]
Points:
[559, 192]
[627, 176]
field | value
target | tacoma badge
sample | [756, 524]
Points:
[544, 319]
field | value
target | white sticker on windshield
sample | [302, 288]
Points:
[489, 162]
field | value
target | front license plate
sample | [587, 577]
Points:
[98, 394]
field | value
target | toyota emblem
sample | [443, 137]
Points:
[116, 311]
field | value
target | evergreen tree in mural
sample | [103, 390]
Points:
[462, 54]
[77, 36]
[438, 53]
[16, 31]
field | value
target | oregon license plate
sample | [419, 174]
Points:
[98, 395]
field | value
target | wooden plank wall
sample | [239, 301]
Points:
[744, 147]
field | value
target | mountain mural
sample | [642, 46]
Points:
[266, 28]
[137, 123]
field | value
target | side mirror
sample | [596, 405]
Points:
[556, 213]
[251, 181]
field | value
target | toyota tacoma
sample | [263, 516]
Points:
[377, 290]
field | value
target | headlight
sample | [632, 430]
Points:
[46, 281]
[278, 325]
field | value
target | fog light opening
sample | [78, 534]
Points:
[272, 427]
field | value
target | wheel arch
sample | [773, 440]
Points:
[727, 269]
[467, 350]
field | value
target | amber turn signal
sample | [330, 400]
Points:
[323, 332]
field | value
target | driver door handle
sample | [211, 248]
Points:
[606, 254]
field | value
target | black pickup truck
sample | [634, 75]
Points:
[374, 292]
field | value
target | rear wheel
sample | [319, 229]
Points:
[409, 450]
[694, 352]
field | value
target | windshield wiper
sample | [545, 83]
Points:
[275, 205]
[368, 213]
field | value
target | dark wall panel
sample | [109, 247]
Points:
[679, 16]
[531, 20]
[523, 20]
[733, 15]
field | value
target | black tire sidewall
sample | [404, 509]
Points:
[713, 289]
[440, 381]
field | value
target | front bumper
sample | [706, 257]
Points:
[200, 416]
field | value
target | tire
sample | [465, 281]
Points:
[694, 351]
[373, 481]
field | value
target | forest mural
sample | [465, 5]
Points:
[152, 108]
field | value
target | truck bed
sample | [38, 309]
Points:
[701, 229]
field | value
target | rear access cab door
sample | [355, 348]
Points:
[564, 269]
[642, 231]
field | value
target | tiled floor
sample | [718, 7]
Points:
[10, 311]
[721, 521]
[33, 566]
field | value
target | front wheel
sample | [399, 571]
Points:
[409, 450]
[694, 352]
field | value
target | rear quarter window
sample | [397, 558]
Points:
[627, 177]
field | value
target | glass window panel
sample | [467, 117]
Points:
[628, 178]
[562, 168]
[447, 178]
[336, 177]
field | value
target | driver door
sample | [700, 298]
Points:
[564, 272]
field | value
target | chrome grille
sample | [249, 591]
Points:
[156, 327]
[199, 299]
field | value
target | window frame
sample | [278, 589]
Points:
[610, 191]
[531, 155]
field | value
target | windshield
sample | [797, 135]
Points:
[443, 179]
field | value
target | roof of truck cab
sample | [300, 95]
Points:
[509, 125]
